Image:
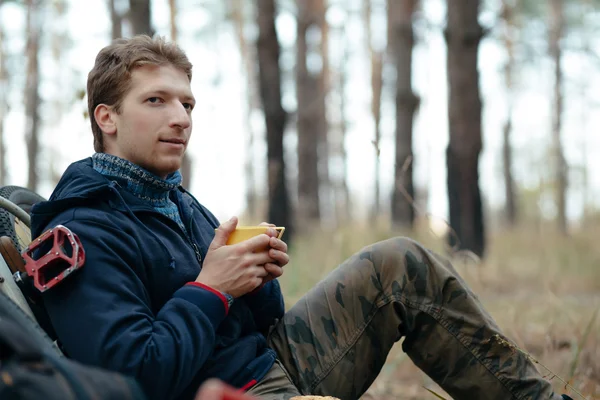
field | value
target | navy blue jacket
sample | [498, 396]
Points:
[132, 309]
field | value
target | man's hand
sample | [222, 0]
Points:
[240, 268]
[278, 252]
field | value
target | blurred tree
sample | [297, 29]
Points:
[4, 78]
[140, 17]
[275, 116]
[567, 25]
[342, 199]
[376, 58]
[556, 32]
[56, 29]
[173, 20]
[322, 52]
[248, 56]
[116, 20]
[463, 34]
[32, 97]
[508, 38]
[585, 90]
[186, 165]
[401, 40]
[522, 38]
[310, 92]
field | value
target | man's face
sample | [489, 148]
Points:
[155, 123]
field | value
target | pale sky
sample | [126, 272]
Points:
[218, 146]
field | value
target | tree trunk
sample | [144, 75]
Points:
[585, 176]
[376, 58]
[344, 201]
[32, 98]
[116, 21]
[401, 41]
[3, 102]
[510, 206]
[585, 98]
[325, 187]
[140, 17]
[173, 20]
[509, 183]
[186, 164]
[186, 171]
[57, 20]
[463, 34]
[311, 112]
[275, 115]
[557, 26]
[248, 57]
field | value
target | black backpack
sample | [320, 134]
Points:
[32, 368]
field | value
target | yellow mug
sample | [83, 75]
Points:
[242, 233]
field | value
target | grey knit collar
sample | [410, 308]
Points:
[140, 182]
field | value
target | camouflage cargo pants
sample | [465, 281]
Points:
[335, 340]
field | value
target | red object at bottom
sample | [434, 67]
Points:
[215, 389]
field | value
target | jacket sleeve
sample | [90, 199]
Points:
[266, 304]
[103, 316]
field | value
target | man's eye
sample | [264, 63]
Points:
[188, 106]
[153, 100]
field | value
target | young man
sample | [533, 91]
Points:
[163, 298]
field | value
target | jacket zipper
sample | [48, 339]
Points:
[188, 238]
[192, 243]
[188, 235]
[197, 251]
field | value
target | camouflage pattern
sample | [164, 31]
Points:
[335, 340]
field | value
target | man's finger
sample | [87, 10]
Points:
[272, 232]
[278, 244]
[222, 233]
[279, 256]
[257, 271]
[274, 270]
[254, 244]
[260, 258]
[266, 224]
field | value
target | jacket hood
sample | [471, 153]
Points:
[79, 180]
[79, 185]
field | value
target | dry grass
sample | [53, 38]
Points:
[542, 289]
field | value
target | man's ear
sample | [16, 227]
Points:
[103, 115]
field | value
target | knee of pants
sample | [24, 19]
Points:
[407, 265]
[394, 252]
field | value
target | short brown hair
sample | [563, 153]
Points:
[110, 79]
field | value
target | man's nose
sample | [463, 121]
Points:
[180, 117]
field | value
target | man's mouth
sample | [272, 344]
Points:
[173, 141]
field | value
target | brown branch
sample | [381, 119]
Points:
[452, 250]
